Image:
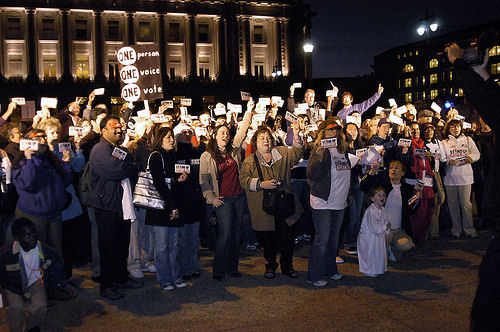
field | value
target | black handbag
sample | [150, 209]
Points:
[276, 202]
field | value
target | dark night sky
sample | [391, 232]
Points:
[348, 34]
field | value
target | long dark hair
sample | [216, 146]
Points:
[160, 134]
[51, 156]
[213, 148]
[358, 142]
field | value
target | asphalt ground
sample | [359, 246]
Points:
[430, 289]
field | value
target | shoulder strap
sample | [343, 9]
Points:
[162, 161]
[258, 166]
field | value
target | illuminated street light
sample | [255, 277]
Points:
[433, 26]
[308, 47]
[421, 30]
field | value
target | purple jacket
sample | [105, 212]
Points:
[40, 187]
[361, 108]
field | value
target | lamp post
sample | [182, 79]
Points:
[308, 48]
[276, 74]
[427, 25]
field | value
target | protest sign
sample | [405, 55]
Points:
[25, 144]
[291, 117]
[48, 102]
[435, 107]
[19, 101]
[329, 143]
[65, 146]
[245, 96]
[75, 131]
[186, 102]
[99, 92]
[140, 73]
[28, 110]
[404, 142]
[181, 168]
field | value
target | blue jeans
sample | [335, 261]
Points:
[324, 248]
[140, 252]
[352, 228]
[247, 233]
[189, 241]
[227, 247]
[166, 242]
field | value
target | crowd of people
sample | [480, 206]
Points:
[268, 176]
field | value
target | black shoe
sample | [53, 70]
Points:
[196, 275]
[111, 293]
[186, 277]
[236, 275]
[291, 273]
[269, 274]
[59, 295]
[129, 284]
[218, 278]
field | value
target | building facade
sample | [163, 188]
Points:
[209, 47]
[421, 73]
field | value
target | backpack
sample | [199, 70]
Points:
[85, 187]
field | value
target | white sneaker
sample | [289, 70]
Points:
[336, 276]
[168, 287]
[371, 275]
[319, 283]
[180, 284]
[137, 274]
[149, 269]
[392, 258]
[339, 260]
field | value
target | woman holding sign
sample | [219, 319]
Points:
[219, 179]
[329, 179]
[460, 151]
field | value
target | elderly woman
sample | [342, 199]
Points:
[273, 232]
[329, 179]
[219, 180]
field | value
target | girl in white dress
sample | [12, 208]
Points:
[372, 251]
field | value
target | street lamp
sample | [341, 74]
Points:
[427, 24]
[308, 47]
[276, 71]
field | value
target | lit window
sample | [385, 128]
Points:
[408, 68]
[416, 52]
[82, 66]
[451, 91]
[460, 92]
[411, 53]
[49, 66]
[416, 82]
[399, 84]
[423, 95]
[408, 82]
[495, 68]
[434, 78]
[423, 80]
[404, 55]
[408, 98]
[203, 33]
[399, 56]
[451, 76]
[434, 94]
[258, 34]
[433, 63]
[495, 50]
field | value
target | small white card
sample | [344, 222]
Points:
[329, 143]
[143, 114]
[99, 92]
[25, 144]
[48, 102]
[460, 117]
[65, 146]
[265, 101]
[186, 102]
[219, 111]
[350, 119]
[435, 107]
[404, 142]
[184, 111]
[131, 132]
[322, 114]
[235, 108]
[201, 131]
[297, 85]
[195, 161]
[181, 168]
[276, 100]
[119, 153]
[303, 106]
[75, 131]
[300, 111]
[291, 117]
[466, 125]
[360, 152]
[420, 152]
[331, 93]
[19, 100]
[158, 118]
[245, 96]
[379, 110]
[312, 127]
[392, 102]
[401, 110]
[168, 103]
[261, 117]
[397, 120]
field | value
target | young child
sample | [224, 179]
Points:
[372, 251]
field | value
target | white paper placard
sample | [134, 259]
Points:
[65, 146]
[48, 102]
[401, 110]
[392, 102]
[158, 118]
[466, 125]
[303, 106]
[420, 152]
[143, 114]
[184, 111]
[379, 110]
[168, 103]
[245, 96]
[299, 111]
[186, 102]
[329, 143]
[350, 119]
[237, 108]
[312, 127]
[396, 119]
[331, 93]
[265, 101]
[119, 153]
[19, 101]
[201, 131]
[25, 144]
[460, 117]
[435, 107]
[404, 142]
[260, 117]
[131, 132]
[181, 168]
[297, 85]
[360, 152]
[379, 147]
[219, 111]
[99, 92]
[276, 100]
[291, 117]
[75, 131]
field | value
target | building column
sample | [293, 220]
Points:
[192, 47]
[277, 32]
[65, 47]
[98, 44]
[31, 47]
[248, 49]
[232, 40]
[130, 28]
[222, 47]
[162, 48]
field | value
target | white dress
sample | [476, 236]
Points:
[372, 252]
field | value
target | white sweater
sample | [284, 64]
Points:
[457, 149]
